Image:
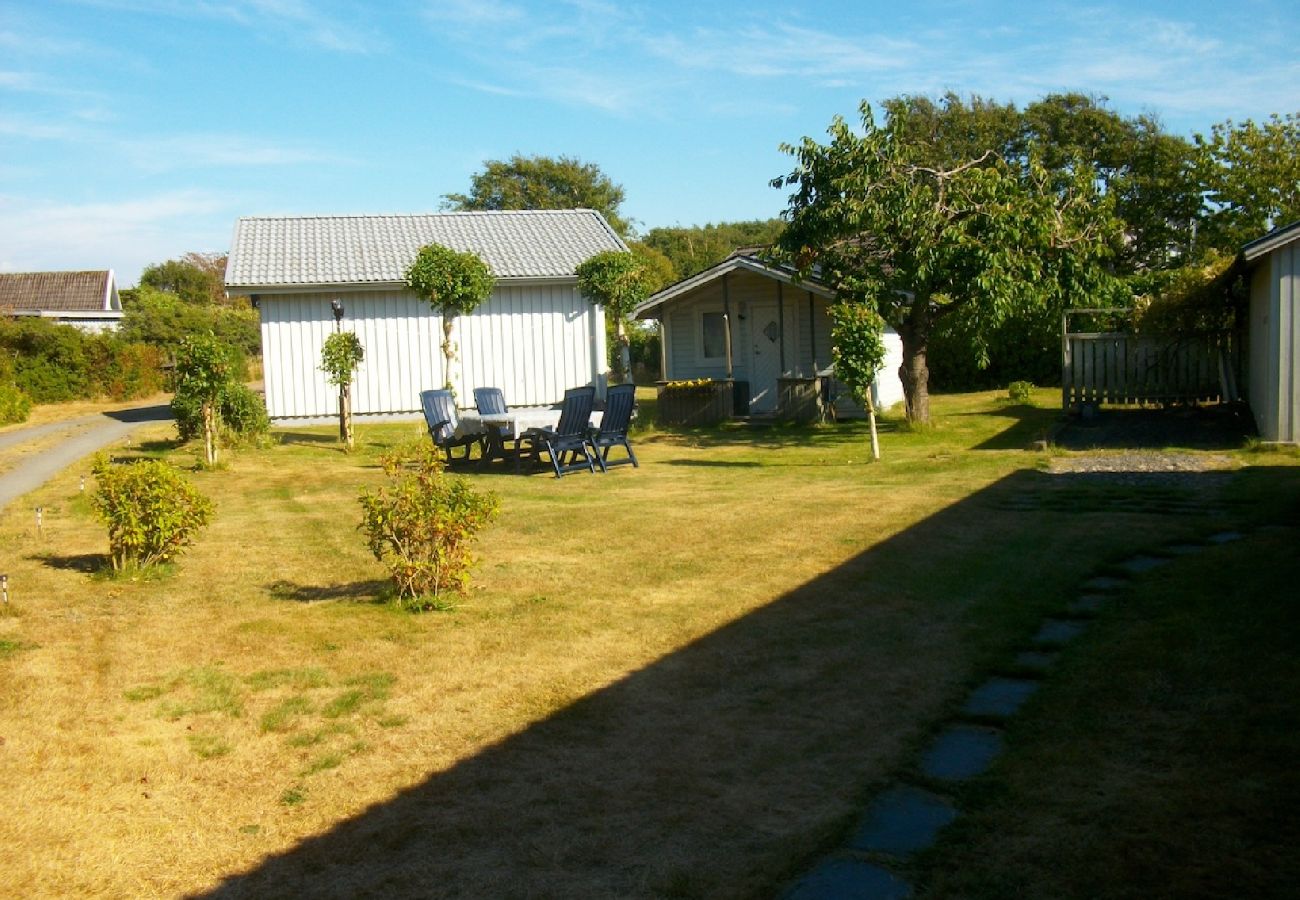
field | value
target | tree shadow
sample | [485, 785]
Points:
[1214, 427]
[88, 563]
[371, 590]
[1031, 423]
[725, 766]
[160, 413]
[308, 438]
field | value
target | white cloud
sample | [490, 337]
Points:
[124, 235]
[196, 151]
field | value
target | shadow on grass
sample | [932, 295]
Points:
[1214, 427]
[1030, 423]
[374, 591]
[89, 563]
[307, 438]
[159, 413]
[724, 767]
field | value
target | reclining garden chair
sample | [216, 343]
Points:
[490, 401]
[620, 401]
[569, 438]
[440, 415]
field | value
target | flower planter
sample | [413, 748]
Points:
[706, 403]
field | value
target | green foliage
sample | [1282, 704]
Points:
[240, 413]
[1020, 392]
[164, 320]
[196, 278]
[1252, 174]
[152, 511]
[205, 371]
[659, 269]
[858, 347]
[918, 242]
[340, 356]
[1194, 301]
[693, 249]
[51, 362]
[543, 182]
[615, 280]
[451, 282]
[15, 406]
[420, 526]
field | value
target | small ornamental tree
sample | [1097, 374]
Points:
[420, 525]
[453, 284]
[618, 282]
[858, 353]
[204, 370]
[339, 358]
[152, 511]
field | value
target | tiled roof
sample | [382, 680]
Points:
[310, 250]
[55, 291]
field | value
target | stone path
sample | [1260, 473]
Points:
[85, 435]
[908, 815]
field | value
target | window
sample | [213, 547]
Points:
[713, 335]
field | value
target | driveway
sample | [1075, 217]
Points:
[83, 436]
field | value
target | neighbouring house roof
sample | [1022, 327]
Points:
[1278, 237]
[306, 251]
[59, 292]
[740, 261]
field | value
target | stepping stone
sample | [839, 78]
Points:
[1105, 583]
[1087, 604]
[1038, 660]
[999, 698]
[1185, 549]
[1059, 631]
[1140, 564]
[1225, 537]
[849, 879]
[902, 821]
[961, 752]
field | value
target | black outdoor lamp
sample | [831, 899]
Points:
[337, 306]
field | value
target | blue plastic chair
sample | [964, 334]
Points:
[439, 408]
[620, 401]
[569, 438]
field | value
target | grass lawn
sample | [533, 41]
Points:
[681, 680]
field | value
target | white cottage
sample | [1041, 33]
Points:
[1273, 335]
[533, 338]
[749, 320]
[88, 300]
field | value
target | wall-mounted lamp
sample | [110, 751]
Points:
[337, 306]
[255, 300]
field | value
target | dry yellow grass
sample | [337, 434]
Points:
[677, 680]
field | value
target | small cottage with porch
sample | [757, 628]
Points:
[747, 320]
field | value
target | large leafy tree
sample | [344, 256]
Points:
[196, 277]
[543, 182]
[1251, 173]
[453, 283]
[918, 242]
[694, 248]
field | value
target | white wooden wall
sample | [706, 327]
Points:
[532, 341]
[1274, 337]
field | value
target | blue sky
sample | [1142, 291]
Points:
[132, 131]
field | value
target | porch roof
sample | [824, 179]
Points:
[742, 261]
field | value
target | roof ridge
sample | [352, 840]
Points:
[422, 215]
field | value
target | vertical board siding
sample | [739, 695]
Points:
[1123, 369]
[531, 341]
[1288, 282]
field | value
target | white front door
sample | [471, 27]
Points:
[765, 359]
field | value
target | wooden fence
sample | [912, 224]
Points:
[1117, 367]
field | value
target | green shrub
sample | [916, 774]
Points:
[51, 362]
[152, 511]
[15, 406]
[241, 415]
[1020, 391]
[421, 524]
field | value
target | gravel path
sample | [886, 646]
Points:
[86, 434]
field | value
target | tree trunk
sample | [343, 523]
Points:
[209, 434]
[624, 353]
[448, 348]
[345, 415]
[913, 372]
[871, 420]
